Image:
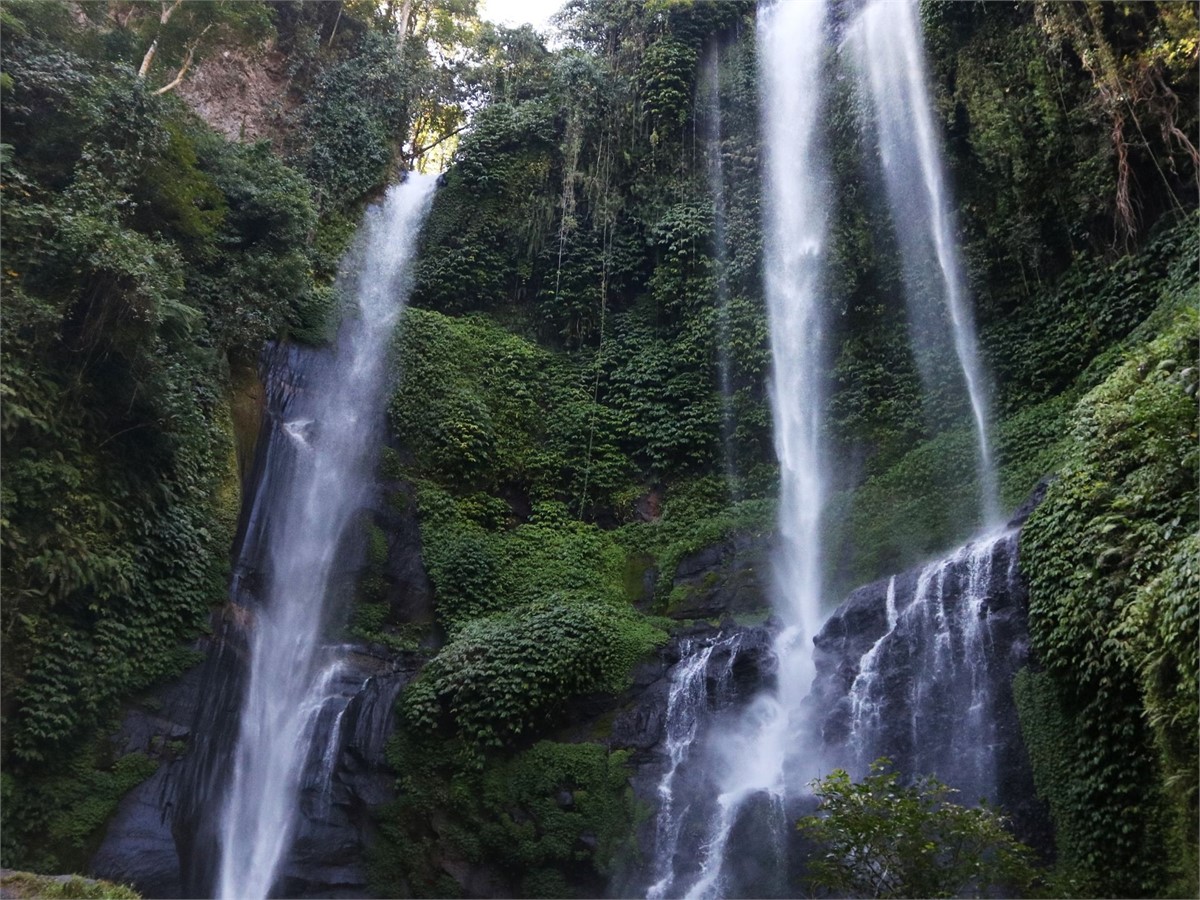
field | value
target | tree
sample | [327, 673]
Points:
[880, 838]
[178, 29]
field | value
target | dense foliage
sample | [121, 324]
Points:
[143, 256]
[882, 837]
[550, 821]
[1114, 613]
[580, 399]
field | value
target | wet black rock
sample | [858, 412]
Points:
[138, 847]
[919, 668]
[142, 845]
[328, 855]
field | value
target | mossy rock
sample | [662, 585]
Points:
[61, 887]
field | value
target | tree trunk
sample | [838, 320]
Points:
[405, 15]
[163, 19]
[187, 62]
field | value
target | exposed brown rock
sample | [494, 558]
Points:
[242, 95]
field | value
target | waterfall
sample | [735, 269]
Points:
[686, 705]
[886, 43]
[932, 691]
[331, 422]
[763, 759]
[791, 44]
[865, 710]
[716, 186]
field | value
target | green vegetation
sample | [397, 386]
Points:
[501, 677]
[26, 884]
[1114, 612]
[1063, 342]
[549, 821]
[68, 802]
[881, 837]
[144, 256]
[557, 419]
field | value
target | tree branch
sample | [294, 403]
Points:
[418, 151]
[187, 62]
[163, 19]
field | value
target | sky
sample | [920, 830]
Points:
[517, 12]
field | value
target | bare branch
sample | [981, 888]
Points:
[163, 19]
[187, 62]
[418, 151]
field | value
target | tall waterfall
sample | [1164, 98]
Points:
[761, 759]
[791, 41]
[332, 422]
[886, 42]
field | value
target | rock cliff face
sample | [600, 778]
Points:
[919, 668]
[138, 847]
[164, 837]
[241, 95]
[723, 579]
[345, 777]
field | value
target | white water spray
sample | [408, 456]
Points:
[766, 756]
[796, 201]
[290, 676]
[945, 637]
[886, 41]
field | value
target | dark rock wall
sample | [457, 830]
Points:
[918, 668]
[164, 838]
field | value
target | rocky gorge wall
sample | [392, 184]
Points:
[163, 837]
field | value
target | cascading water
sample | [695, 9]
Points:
[333, 424]
[791, 39]
[687, 704]
[864, 711]
[920, 670]
[886, 43]
[763, 759]
[943, 637]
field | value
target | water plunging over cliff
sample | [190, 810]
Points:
[791, 38]
[919, 668]
[761, 759]
[333, 425]
[886, 42]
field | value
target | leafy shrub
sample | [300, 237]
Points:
[881, 838]
[349, 123]
[549, 820]
[505, 676]
[1101, 552]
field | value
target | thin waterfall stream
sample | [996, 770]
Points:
[887, 47]
[333, 422]
[716, 182]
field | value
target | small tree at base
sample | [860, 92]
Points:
[880, 838]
